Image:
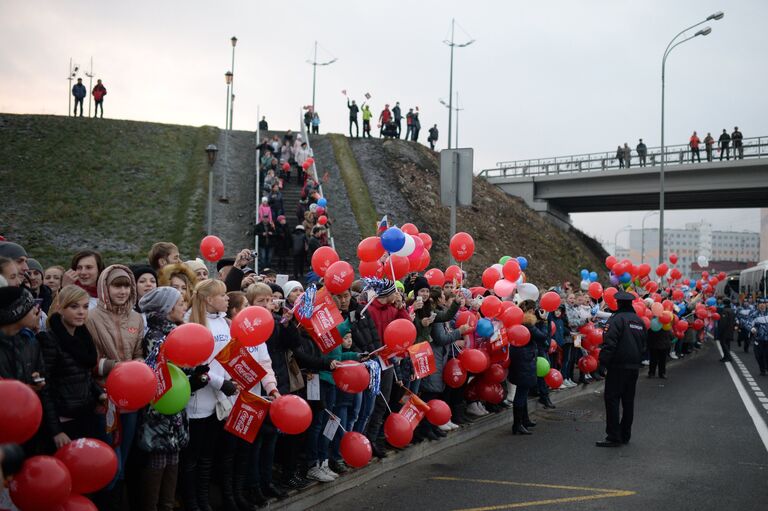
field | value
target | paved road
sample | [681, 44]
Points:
[694, 447]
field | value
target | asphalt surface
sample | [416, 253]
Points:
[694, 447]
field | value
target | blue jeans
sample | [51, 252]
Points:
[317, 443]
[128, 426]
[265, 256]
[367, 400]
[262, 457]
[344, 410]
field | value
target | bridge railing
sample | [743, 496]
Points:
[756, 147]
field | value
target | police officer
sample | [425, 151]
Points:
[621, 356]
[744, 318]
[760, 331]
[725, 328]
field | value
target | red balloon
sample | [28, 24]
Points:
[595, 336]
[306, 165]
[20, 414]
[92, 464]
[651, 286]
[290, 414]
[662, 269]
[490, 392]
[310, 161]
[454, 273]
[439, 412]
[646, 322]
[415, 257]
[519, 336]
[77, 503]
[322, 219]
[609, 296]
[351, 377]
[131, 385]
[673, 258]
[42, 484]
[462, 246]
[595, 290]
[423, 261]
[370, 249]
[490, 277]
[721, 275]
[322, 259]
[356, 449]
[454, 375]
[399, 334]
[410, 229]
[397, 430]
[511, 270]
[339, 277]
[698, 324]
[675, 274]
[435, 277]
[187, 345]
[320, 211]
[466, 318]
[495, 374]
[512, 316]
[610, 261]
[400, 265]
[550, 301]
[370, 269]
[212, 248]
[491, 306]
[474, 360]
[252, 326]
[286, 166]
[553, 379]
[682, 325]
[587, 364]
[427, 239]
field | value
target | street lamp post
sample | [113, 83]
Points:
[224, 198]
[89, 74]
[457, 110]
[452, 44]
[211, 151]
[315, 63]
[232, 82]
[616, 238]
[642, 237]
[671, 46]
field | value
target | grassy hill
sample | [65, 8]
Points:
[109, 185]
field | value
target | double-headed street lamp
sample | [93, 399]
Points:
[453, 45]
[674, 43]
[457, 110]
[232, 82]
[616, 238]
[642, 228]
[211, 151]
[315, 63]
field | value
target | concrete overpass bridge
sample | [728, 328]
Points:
[594, 182]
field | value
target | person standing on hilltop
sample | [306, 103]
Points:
[433, 134]
[263, 125]
[308, 119]
[98, 97]
[398, 115]
[384, 119]
[353, 111]
[79, 92]
[409, 124]
[367, 115]
[415, 125]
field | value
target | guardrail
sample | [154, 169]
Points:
[257, 194]
[756, 147]
[305, 136]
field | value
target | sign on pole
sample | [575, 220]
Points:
[456, 176]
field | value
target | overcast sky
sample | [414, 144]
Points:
[542, 79]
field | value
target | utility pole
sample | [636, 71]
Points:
[452, 44]
[232, 90]
[89, 74]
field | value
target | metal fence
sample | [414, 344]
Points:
[756, 147]
[305, 136]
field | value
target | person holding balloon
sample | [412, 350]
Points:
[162, 434]
[522, 371]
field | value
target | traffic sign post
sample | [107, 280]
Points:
[456, 180]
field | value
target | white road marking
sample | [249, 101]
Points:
[759, 422]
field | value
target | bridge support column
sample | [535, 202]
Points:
[525, 190]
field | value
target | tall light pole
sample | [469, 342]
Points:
[224, 198]
[671, 46]
[616, 238]
[457, 110]
[232, 82]
[89, 74]
[452, 44]
[642, 237]
[70, 78]
[315, 63]
[211, 151]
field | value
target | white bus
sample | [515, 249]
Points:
[729, 287]
[753, 282]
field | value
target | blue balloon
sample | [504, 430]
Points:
[393, 239]
[614, 279]
[593, 276]
[655, 324]
[584, 274]
[712, 301]
[626, 277]
[322, 202]
[523, 262]
[683, 309]
[484, 328]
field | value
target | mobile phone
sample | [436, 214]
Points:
[38, 380]
[419, 299]
[433, 315]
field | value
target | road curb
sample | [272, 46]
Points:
[320, 492]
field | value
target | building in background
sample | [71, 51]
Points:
[731, 249]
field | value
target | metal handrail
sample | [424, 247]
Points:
[755, 147]
[305, 136]
[257, 200]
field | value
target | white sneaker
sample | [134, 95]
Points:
[445, 427]
[571, 384]
[453, 426]
[474, 409]
[673, 356]
[482, 408]
[325, 468]
[316, 473]
[646, 362]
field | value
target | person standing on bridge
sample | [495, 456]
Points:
[708, 143]
[642, 152]
[694, 144]
[620, 156]
[725, 143]
[627, 155]
[353, 111]
[621, 356]
[760, 331]
[738, 145]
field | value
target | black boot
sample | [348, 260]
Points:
[188, 487]
[241, 497]
[204, 469]
[527, 422]
[377, 450]
[546, 402]
[517, 426]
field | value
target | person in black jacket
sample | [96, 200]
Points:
[70, 357]
[353, 111]
[659, 344]
[725, 145]
[624, 343]
[725, 328]
[299, 251]
[522, 371]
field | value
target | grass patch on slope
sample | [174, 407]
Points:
[359, 195]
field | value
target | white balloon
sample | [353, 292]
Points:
[528, 291]
[408, 247]
[497, 267]
[584, 285]
[703, 261]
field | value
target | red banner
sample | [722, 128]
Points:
[423, 359]
[247, 416]
[241, 366]
[413, 413]
[163, 375]
[499, 340]
[321, 326]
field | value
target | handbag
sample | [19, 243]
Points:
[223, 406]
[294, 372]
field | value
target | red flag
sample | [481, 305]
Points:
[412, 412]
[240, 365]
[321, 326]
[163, 375]
[423, 359]
[247, 416]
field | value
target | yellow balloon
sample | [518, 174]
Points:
[668, 326]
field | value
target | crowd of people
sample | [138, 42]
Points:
[390, 122]
[64, 330]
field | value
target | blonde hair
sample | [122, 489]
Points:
[236, 301]
[204, 289]
[180, 271]
[257, 289]
[66, 296]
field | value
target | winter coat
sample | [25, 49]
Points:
[642, 149]
[99, 92]
[276, 203]
[365, 337]
[561, 333]
[726, 324]
[725, 140]
[266, 234]
[337, 353]
[313, 244]
[624, 340]
[522, 367]
[384, 314]
[79, 91]
[422, 332]
[353, 110]
[299, 243]
[661, 340]
[69, 364]
[397, 113]
[44, 293]
[433, 134]
[415, 123]
[443, 336]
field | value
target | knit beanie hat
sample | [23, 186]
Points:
[195, 264]
[35, 265]
[344, 328]
[420, 283]
[275, 288]
[227, 261]
[160, 300]
[140, 269]
[387, 288]
[12, 250]
[289, 286]
[15, 303]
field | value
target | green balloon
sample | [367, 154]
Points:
[504, 260]
[542, 367]
[177, 396]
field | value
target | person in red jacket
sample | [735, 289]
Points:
[694, 143]
[98, 97]
[384, 119]
[383, 311]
